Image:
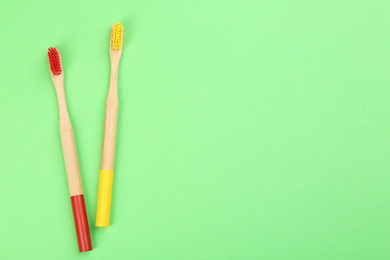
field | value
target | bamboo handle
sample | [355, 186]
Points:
[74, 183]
[110, 123]
[68, 146]
[108, 150]
[72, 170]
[71, 162]
[70, 155]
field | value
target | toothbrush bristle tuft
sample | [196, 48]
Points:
[117, 36]
[54, 61]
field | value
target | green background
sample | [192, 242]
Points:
[247, 129]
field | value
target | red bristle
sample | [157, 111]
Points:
[54, 61]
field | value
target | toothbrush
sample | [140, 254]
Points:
[109, 135]
[70, 155]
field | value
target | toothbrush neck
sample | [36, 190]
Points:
[63, 109]
[114, 76]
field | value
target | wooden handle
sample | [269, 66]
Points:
[73, 174]
[68, 145]
[110, 121]
[108, 150]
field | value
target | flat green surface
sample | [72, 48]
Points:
[247, 129]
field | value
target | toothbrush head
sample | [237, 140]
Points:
[116, 36]
[54, 61]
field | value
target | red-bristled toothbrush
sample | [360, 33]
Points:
[70, 155]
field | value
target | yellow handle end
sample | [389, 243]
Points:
[104, 198]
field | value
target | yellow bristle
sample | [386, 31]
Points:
[117, 36]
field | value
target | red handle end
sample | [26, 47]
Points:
[81, 223]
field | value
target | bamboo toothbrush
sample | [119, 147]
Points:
[109, 135]
[70, 155]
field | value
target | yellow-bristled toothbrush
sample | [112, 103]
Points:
[109, 135]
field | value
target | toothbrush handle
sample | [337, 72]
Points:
[108, 153]
[109, 134]
[73, 175]
[70, 156]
